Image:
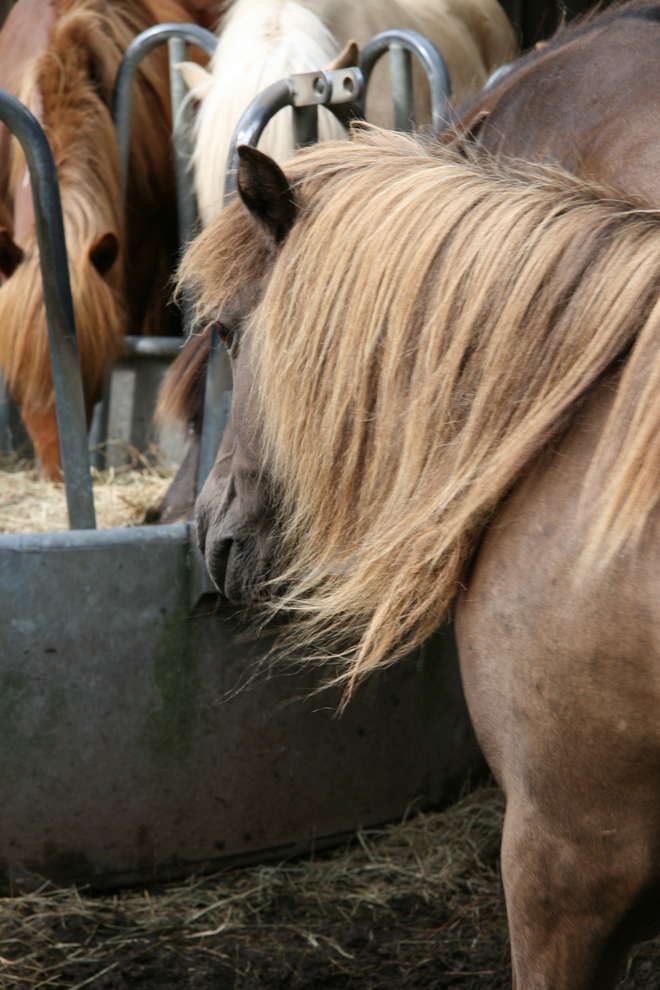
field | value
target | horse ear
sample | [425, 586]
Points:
[103, 252]
[347, 59]
[198, 80]
[265, 190]
[11, 254]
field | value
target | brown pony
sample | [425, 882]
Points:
[588, 100]
[60, 57]
[447, 383]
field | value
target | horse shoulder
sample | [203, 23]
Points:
[546, 109]
[562, 680]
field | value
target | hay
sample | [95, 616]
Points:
[125, 496]
[447, 859]
[416, 905]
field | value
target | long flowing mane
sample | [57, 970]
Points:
[430, 324]
[69, 87]
[261, 41]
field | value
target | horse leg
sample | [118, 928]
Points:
[562, 680]
[580, 843]
[575, 908]
[42, 429]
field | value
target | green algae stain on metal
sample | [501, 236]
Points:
[170, 724]
[29, 718]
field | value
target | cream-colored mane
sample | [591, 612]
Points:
[262, 41]
[429, 325]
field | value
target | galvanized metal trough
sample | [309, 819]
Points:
[127, 754]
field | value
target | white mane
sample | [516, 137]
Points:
[261, 41]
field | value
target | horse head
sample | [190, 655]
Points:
[113, 266]
[236, 510]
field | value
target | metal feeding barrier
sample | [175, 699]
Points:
[140, 372]
[344, 92]
[402, 44]
[178, 38]
[62, 342]
[126, 753]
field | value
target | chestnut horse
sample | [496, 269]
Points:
[446, 388]
[60, 57]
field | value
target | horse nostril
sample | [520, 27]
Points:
[201, 525]
[217, 558]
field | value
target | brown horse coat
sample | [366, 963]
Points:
[61, 59]
[589, 100]
[493, 429]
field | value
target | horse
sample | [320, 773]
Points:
[445, 398]
[262, 41]
[588, 99]
[60, 58]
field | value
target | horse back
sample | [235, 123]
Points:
[590, 104]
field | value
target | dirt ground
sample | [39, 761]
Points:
[417, 906]
[413, 948]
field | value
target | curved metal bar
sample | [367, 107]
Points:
[337, 91]
[62, 343]
[253, 123]
[495, 77]
[137, 50]
[426, 54]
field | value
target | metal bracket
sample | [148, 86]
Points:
[401, 44]
[62, 341]
[340, 91]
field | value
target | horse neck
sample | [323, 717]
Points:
[526, 118]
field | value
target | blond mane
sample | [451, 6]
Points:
[430, 324]
[69, 87]
[261, 42]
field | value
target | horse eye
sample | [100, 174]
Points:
[224, 333]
